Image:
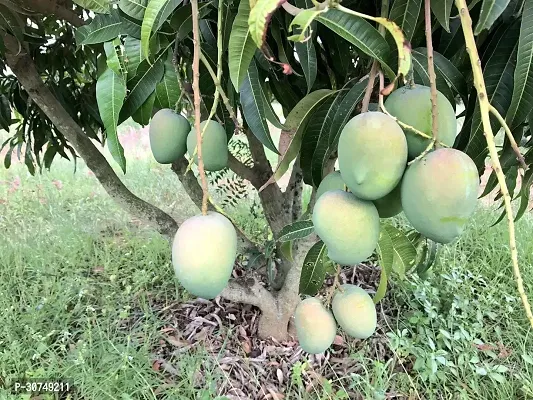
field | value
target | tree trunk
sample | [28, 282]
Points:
[273, 325]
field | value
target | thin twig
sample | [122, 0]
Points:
[221, 91]
[334, 287]
[196, 90]
[431, 71]
[510, 136]
[479, 83]
[374, 69]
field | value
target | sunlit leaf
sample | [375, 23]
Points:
[103, 28]
[490, 11]
[241, 46]
[296, 230]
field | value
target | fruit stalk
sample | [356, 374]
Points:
[196, 90]
[374, 69]
[484, 106]
[431, 71]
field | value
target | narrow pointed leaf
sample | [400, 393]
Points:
[110, 94]
[241, 46]
[98, 6]
[252, 97]
[270, 115]
[132, 52]
[303, 21]
[525, 191]
[307, 56]
[103, 28]
[296, 230]
[168, 90]
[490, 11]
[314, 269]
[404, 252]
[405, 14]
[327, 143]
[150, 15]
[181, 20]
[358, 32]
[143, 115]
[291, 138]
[134, 8]
[522, 101]
[112, 56]
[442, 10]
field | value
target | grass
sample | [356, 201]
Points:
[77, 280]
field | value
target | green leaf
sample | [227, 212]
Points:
[405, 14]
[241, 46]
[291, 138]
[252, 101]
[522, 100]
[112, 57]
[110, 94]
[103, 28]
[98, 6]
[442, 10]
[143, 115]
[296, 230]
[382, 288]
[130, 26]
[132, 52]
[304, 21]
[490, 11]
[134, 8]
[307, 56]
[385, 250]
[11, 21]
[318, 126]
[181, 20]
[403, 249]
[153, 8]
[314, 269]
[448, 71]
[270, 114]
[165, 12]
[259, 18]
[168, 90]
[498, 73]
[360, 33]
[327, 143]
[525, 190]
[142, 86]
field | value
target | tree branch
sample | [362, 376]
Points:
[243, 170]
[293, 193]
[249, 290]
[58, 8]
[24, 68]
[431, 72]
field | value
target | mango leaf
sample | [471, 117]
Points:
[428, 259]
[166, 11]
[385, 250]
[142, 86]
[421, 75]
[404, 252]
[259, 18]
[405, 14]
[358, 32]
[11, 21]
[286, 250]
[143, 115]
[327, 142]
[270, 114]
[153, 8]
[112, 57]
[130, 26]
[525, 191]
[132, 53]
[134, 8]
[490, 11]
[110, 94]
[307, 56]
[181, 20]
[303, 20]
[241, 46]
[291, 138]
[314, 269]
[98, 6]
[442, 10]
[448, 71]
[522, 100]
[296, 230]
[103, 28]
[252, 101]
[168, 90]
[319, 125]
